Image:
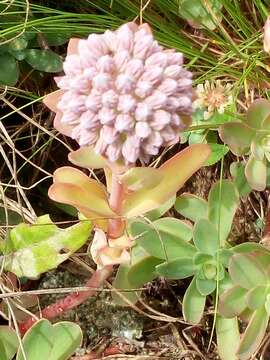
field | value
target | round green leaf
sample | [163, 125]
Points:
[166, 238]
[255, 172]
[8, 343]
[205, 237]
[177, 269]
[218, 152]
[9, 70]
[45, 341]
[44, 60]
[191, 206]
[205, 286]
[193, 304]
[258, 111]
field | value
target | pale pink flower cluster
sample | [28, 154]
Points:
[124, 94]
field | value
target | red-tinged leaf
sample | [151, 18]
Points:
[141, 178]
[59, 126]
[237, 136]
[254, 334]
[87, 157]
[73, 46]
[70, 175]
[256, 297]
[246, 271]
[176, 172]
[51, 100]
[256, 173]
[257, 113]
[232, 302]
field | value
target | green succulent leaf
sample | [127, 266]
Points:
[254, 334]
[191, 206]
[44, 60]
[205, 286]
[257, 113]
[227, 332]
[33, 249]
[121, 281]
[222, 204]
[205, 237]
[237, 136]
[248, 247]
[9, 343]
[237, 170]
[256, 173]
[256, 297]
[193, 304]
[246, 271]
[143, 267]
[232, 302]
[137, 178]
[165, 238]
[9, 70]
[45, 341]
[218, 152]
[201, 258]
[177, 269]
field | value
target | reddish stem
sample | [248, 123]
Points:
[116, 227]
[72, 300]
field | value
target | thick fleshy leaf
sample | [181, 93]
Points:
[237, 136]
[121, 281]
[222, 204]
[44, 60]
[256, 148]
[64, 129]
[250, 247]
[33, 249]
[158, 212]
[255, 297]
[9, 343]
[258, 111]
[206, 286]
[51, 100]
[193, 304]
[45, 341]
[254, 334]
[205, 237]
[176, 172]
[73, 187]
[232, 302]
[166, 238]
[177, 269]
[143, 267]
[137, 178]
[255, 172]
[228, 337]
[237, 170]
[218, 152]
[87, 157]
[9, 70]
[246, 271]
[191, 206]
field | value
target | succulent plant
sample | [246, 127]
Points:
[123, 94]
[251, 137]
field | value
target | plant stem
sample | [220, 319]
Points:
[116, 226]
[115, 229]
[70, 301]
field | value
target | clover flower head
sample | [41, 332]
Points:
[214, 96]
[123, 94]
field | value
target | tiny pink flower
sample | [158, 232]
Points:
[123, 94]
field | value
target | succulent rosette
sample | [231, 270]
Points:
[251, 137]
[122, 94]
